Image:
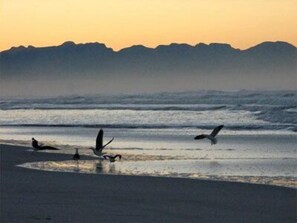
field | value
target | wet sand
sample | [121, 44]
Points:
[38, 196]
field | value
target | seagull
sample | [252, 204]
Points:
[76, 156]
[99, 144]
[212, 135]
[37, 147]
[112, 158]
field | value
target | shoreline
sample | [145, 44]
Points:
[256, 180]
[42, 196]
[89, 158]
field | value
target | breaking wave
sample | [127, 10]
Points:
[274, 109]
[148, 126]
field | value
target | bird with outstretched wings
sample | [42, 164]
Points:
[211, 136]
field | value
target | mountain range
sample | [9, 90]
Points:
[95, 68]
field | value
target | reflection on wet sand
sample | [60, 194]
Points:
[161, 169]
[104, 167]
[81, 166]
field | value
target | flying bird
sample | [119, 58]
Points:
[212, 135]
[37, 147]
[112, 158]
[99, 144]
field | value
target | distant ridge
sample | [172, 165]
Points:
[95, 67]
[180, 45]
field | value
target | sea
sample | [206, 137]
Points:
[154, 133]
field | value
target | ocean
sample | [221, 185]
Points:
[155, 133]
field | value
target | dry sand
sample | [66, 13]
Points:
[39, 196]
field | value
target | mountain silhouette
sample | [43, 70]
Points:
[174, 66]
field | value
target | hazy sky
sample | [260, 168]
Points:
[122, 23]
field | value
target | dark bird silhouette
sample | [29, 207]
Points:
[112, 158]
[212, 135]
[99, 144]
[76, 156]
[37, 147]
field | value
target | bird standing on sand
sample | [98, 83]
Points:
[76, 156]
[99, 144]
[37, 147]
[212, 135]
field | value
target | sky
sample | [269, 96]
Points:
[123, 23]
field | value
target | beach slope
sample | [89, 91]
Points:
[40, 196]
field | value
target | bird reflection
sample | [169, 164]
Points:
[77, 167]
[105, 168]
[112, 168]
[99, 167]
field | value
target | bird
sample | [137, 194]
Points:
[211, 136]
[99, 144]
[38, 147]
[112, 158]
[76, 156]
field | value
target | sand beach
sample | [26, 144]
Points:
[41, 196]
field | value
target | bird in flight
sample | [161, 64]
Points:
[112, 158]
[211, 136]
[99, 144]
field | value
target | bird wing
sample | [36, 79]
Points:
[99, 140]
[108, 143]
[216, 130]
[200, 136]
